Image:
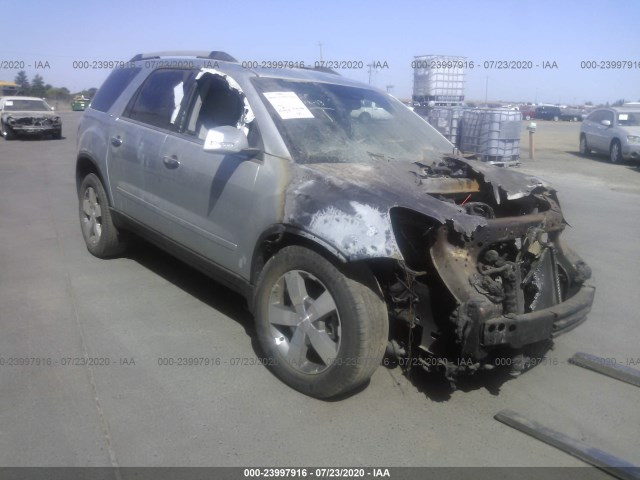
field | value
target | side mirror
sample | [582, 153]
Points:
[606, 123]
[225, 140]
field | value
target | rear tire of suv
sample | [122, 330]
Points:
[323, 332]
[584, 148]
[615, 152]
[100, 234]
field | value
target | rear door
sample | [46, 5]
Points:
[137, 139]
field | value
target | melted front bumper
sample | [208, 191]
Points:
[510, 301]
[518, 330]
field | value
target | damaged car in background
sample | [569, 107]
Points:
[350, 238]
[28, 116]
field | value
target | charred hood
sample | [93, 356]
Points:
[349, 205]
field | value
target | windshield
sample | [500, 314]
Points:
[629, 119]
[328, 123]
[28, 105]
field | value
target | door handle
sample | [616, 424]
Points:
[171, 162]
[116, 141]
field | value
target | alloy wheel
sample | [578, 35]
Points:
[615, 153]
[304, 322]
[92, 216]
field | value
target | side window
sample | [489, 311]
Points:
[215, 104]
[112, 88]
[608, 116]
[626, 119]
[159, 99]
[595, 116]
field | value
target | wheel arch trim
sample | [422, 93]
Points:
[275, 235]
[86, 164]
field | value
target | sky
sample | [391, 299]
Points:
[57, 39]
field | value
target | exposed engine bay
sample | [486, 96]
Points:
[460, 300]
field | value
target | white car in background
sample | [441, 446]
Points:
[370, 111]
[28, 116]
[614, 131]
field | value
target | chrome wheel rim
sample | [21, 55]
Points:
[91, 216]
[304, 322]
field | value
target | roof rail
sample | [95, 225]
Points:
[322, 69]
[213, 55]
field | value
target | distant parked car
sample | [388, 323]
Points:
[572, 115]
[548, 113]
[528, 111]
[28, 116]
[80, 103]
[370, 111]
[614, 131]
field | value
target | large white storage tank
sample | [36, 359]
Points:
[438, 79]
[492, 134]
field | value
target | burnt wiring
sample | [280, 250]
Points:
[402, 293]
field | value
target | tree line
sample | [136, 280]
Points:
[38, 88]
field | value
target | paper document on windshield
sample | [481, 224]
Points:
[288, 105]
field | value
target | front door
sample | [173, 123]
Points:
[206, 198]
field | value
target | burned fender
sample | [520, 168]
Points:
[357, 229]
[349, 206]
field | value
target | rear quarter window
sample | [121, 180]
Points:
[113, 87]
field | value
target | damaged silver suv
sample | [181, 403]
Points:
[347, 237]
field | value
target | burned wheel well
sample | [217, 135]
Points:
[413, 232]
[280, 237]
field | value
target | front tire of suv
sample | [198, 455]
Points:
[100, 234]
[323, 332]
[584, 148]
[615, 155]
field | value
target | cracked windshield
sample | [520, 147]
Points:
[329, 123]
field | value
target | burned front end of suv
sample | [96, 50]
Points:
[467, 256]
[471, 295]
